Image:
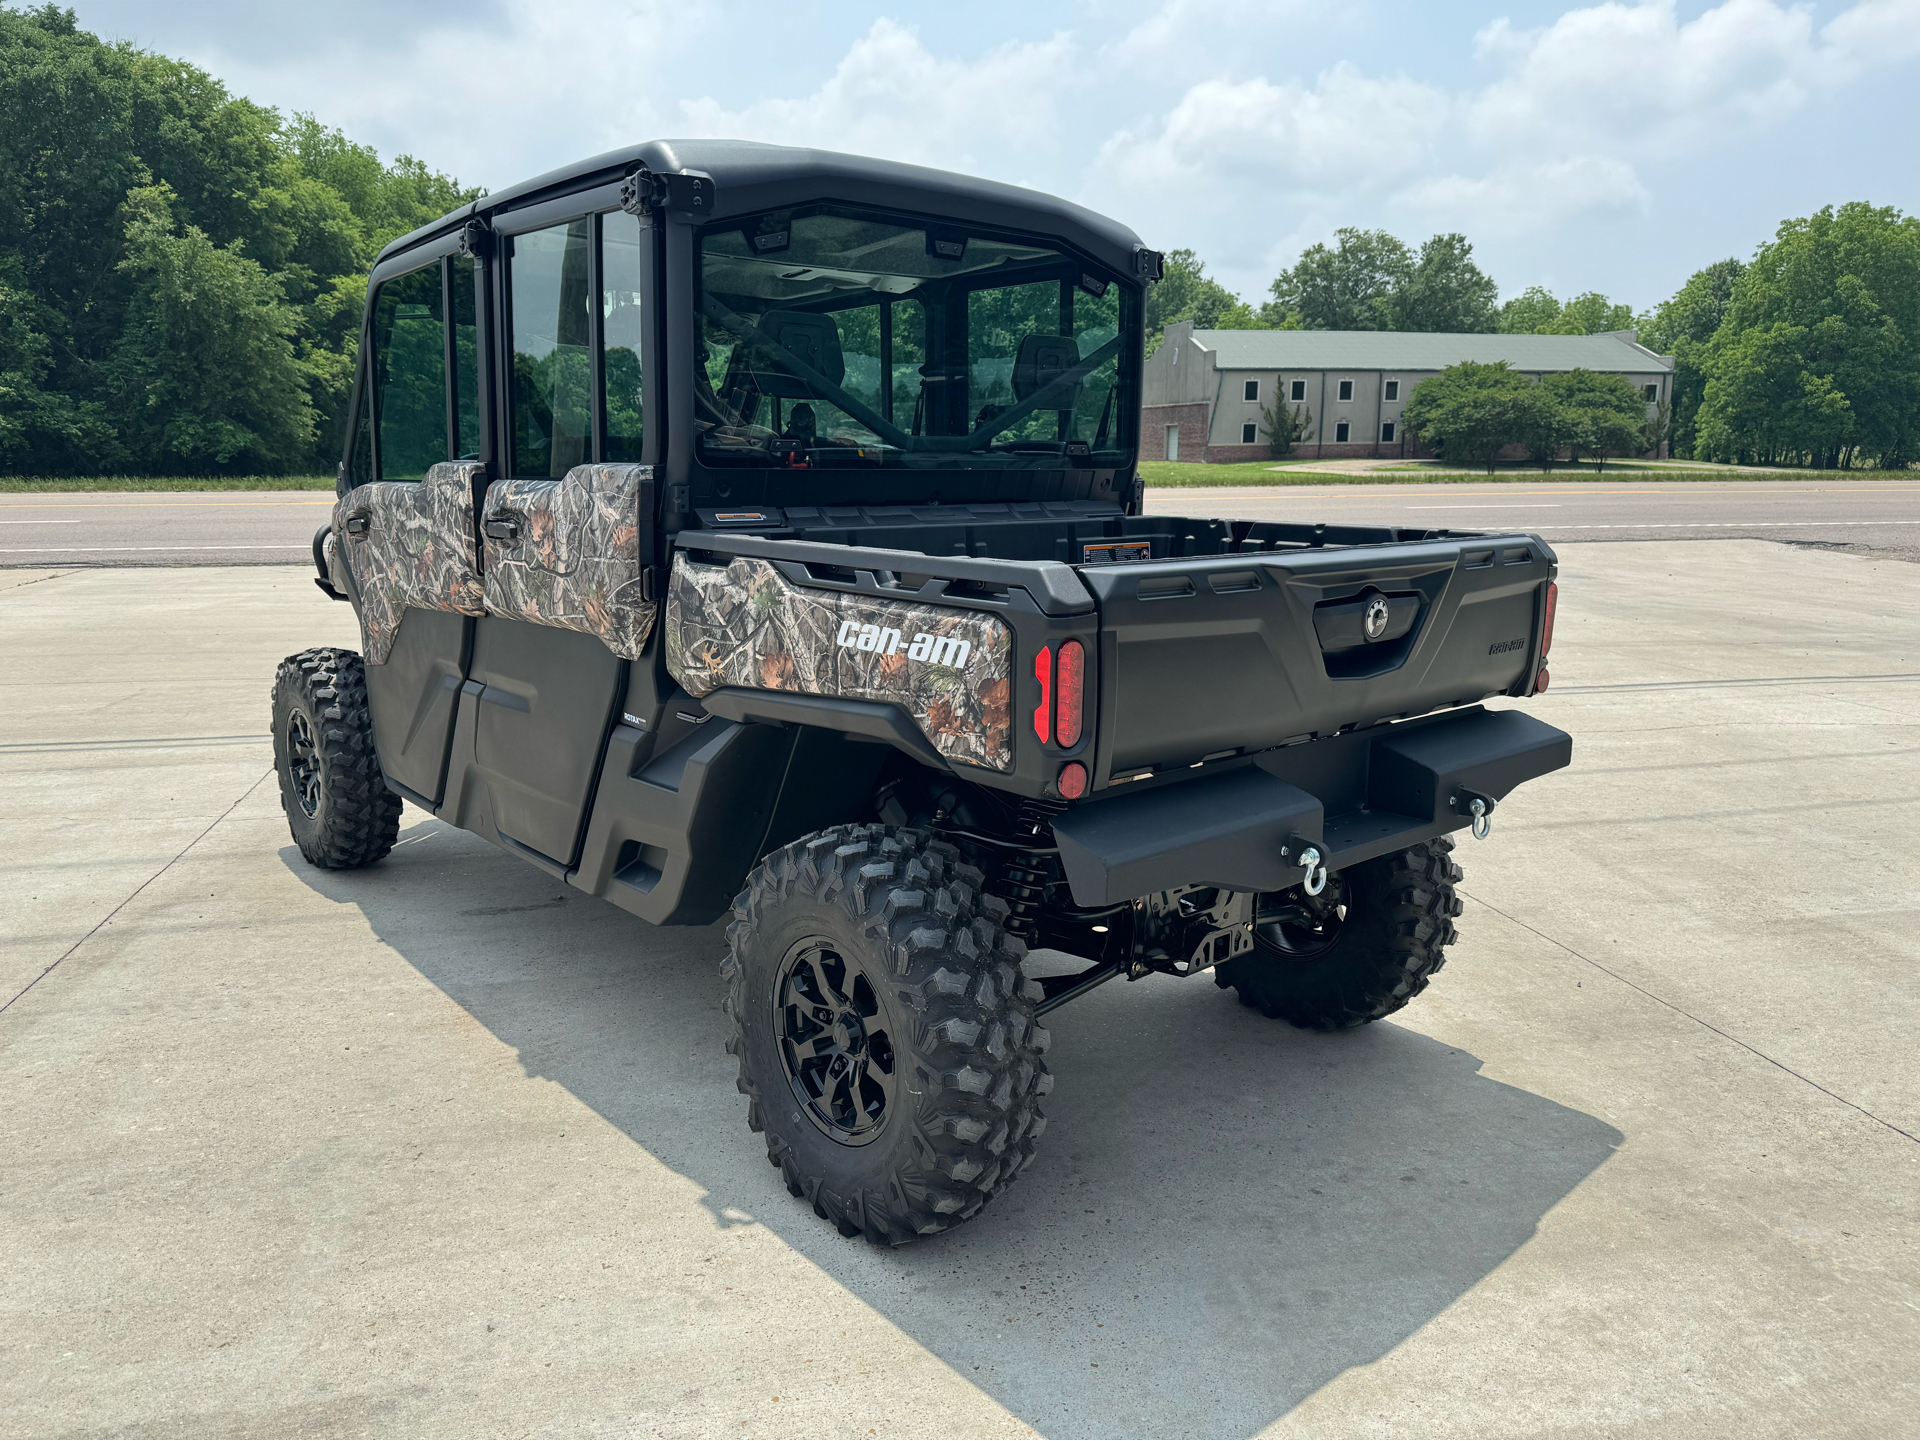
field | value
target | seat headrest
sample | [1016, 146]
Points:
[812, 339]
[1041, 359]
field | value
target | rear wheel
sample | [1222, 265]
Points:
[885, 1034]
[338, 806]
[1360, 950]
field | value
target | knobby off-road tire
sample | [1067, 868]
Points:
[1400, 914]
[887, 932]
[338, 806]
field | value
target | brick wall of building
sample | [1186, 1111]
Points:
[1192, 420]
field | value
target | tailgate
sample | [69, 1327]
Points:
[1207, 657]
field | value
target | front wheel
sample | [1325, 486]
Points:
[886, 1037]
[1360, 950]
[338, 806]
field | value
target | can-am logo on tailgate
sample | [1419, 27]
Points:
[948, 650]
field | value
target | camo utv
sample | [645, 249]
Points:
[747, 532]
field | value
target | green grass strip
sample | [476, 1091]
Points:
[10, 484]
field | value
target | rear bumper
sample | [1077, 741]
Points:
[1355, 796]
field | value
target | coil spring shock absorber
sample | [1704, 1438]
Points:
[1025, 876]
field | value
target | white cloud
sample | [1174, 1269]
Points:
[491, 100]
[1561, 131]
[891, 97]
[1516, 198]
[1345, 132]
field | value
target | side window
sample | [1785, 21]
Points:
[410, 374]
[553, 372]
[621, 288]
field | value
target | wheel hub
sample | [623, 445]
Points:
[1297, 925]
[303, 763]
[834, 1041]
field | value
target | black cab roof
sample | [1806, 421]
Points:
[750, 177]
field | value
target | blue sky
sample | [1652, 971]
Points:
[1614, 147]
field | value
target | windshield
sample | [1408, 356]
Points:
[836, 337]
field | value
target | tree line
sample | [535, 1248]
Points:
[182, 271]
[1370, 280]
[182, 274]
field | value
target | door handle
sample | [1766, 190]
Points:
[357, 523]
[503, 528]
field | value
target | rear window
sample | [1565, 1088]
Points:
[840, 337]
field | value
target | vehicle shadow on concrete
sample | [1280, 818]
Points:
[1225, 1215]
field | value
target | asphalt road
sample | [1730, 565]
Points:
[441, 1147]
[1870, 516]
[276, 528]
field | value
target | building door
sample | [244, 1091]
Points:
[1173, 442]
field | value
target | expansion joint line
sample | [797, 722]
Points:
[1706, 1025]
[137, 890]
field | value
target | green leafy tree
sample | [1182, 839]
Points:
[205, 368]
[1185, 291]
[1682, 326]
[1535, 311]
[1592, 313]
[1444, 291]
[1348, 286]
[1658, 429]
[1471, 411]
[1600, 415]
[1815, 361]
[84, 124]
[1532, 312]
[1285, 425]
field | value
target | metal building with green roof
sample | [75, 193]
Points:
[1204, 390]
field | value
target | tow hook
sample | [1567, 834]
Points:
[1480, 810]
[1308, 857]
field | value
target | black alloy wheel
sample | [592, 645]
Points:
[303, 764]
[834, 1042]
[339, 810]
[886, 1035]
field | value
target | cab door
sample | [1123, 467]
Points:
[569, 524]
[406, 524]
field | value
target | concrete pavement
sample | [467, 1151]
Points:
[436, 1148]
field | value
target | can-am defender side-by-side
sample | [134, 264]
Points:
[744, 531]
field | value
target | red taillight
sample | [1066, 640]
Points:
[1073, 779]
[1540, 680]
[1044, 712]
[1547, 629]
[1073, 671]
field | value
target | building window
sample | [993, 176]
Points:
[1392, 391]
[1247, 431]
[1347, 390]
[1173, 442]
[1250, 390]
[1340, 433]
[1387, 431]
[1653, 393]
[1297, 390]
